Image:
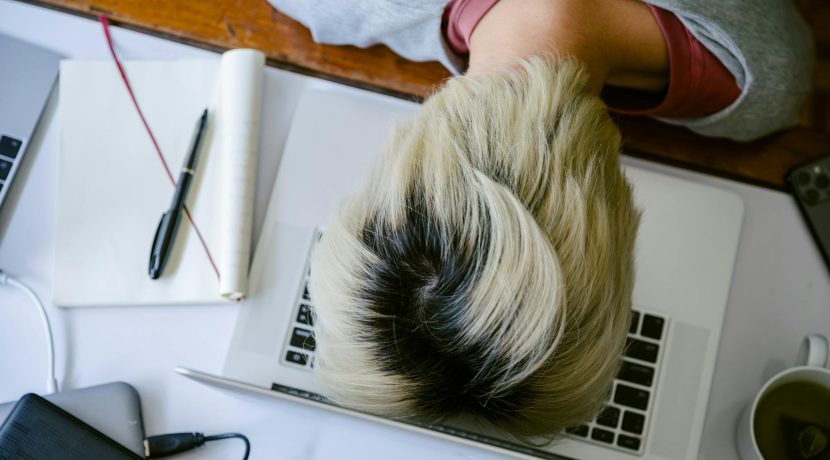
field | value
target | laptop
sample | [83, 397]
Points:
[28, 74]
[684, 260]
[114, 409]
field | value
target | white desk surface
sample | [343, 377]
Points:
[780, 291]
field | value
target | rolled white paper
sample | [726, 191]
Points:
[240, 86]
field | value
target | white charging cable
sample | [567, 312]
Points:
[51, 383]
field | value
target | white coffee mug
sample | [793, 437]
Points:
[811, 366]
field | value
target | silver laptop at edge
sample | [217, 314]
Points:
[685, 254]
[28, 73]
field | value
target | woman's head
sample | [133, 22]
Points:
[485, 266]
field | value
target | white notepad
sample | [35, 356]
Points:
[112, 188]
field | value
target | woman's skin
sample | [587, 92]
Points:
[618, 41]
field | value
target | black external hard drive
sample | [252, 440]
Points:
[38, 429]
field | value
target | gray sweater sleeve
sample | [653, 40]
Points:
[764, 44]
[768, 49]
[410, 28]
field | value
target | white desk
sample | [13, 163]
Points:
[780, 291]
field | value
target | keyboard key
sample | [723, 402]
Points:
[303, 338]
[304, 315]
[636, 373]
[631, 397]
[635, 322]
[581, 430]
[628, 442]
[5, 168]
[652, 327]
[598, 434]
[644, 351]
[609, 417]
[633, 422]
[9, 146]
[297, 358]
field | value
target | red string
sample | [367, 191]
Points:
[106, 25]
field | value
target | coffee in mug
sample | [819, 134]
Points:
[789, 419]
[792, 421]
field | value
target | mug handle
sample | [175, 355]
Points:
[813, 351]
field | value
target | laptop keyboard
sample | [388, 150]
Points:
[299, 351]
[621, 425]
[9, 150]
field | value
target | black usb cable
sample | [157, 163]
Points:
[165, 445]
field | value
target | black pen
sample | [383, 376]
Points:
[169, 224]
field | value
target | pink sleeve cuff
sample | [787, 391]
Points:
[460, 19]
[699, 84]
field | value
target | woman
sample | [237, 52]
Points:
[485, 267]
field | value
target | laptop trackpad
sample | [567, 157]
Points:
[679, 398]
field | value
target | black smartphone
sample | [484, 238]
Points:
[810, 184]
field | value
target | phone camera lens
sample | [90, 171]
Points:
[803, 178]
[811, 196]
[822, 181]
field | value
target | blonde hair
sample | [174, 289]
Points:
[485, 266]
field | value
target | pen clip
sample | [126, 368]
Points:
[153, 268]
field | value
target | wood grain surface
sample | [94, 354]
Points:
[221, 25]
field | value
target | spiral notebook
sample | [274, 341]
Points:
[112, 188]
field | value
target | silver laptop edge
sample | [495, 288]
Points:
[315, 400]
[29, 72]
